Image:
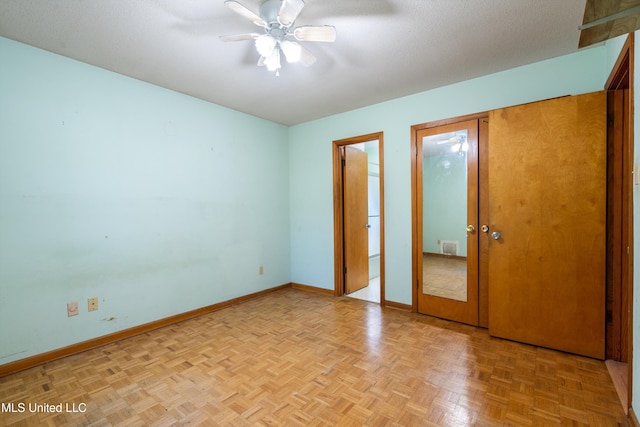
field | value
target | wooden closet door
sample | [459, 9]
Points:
[547, 204]
[447, 194]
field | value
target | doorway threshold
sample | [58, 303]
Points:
[619, 372]
[369, 293]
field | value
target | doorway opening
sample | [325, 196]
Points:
[358, 188]
[619, 304]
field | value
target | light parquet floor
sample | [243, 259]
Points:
[444, 277]
[296, 358]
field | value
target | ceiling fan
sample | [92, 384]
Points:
[277, 18]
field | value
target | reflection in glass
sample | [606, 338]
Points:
[444, 174]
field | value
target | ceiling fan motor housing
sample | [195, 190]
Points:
[269, 10]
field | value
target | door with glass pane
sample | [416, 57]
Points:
[447, 221]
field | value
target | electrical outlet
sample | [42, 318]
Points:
[92, 303]
[261, 270]
[72, 309]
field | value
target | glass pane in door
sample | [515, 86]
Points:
[444, 240]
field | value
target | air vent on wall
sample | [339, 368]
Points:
[449, 247]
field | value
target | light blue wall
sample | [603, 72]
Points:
[612, 51]
[153, 201]
[444, 203]
[311, 191]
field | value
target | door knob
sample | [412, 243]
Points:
[496, 235]
[367, 226]
[484, 228]
[471, 228]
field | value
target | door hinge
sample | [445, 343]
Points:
[344, 271]
[418, 284]
[344, 163]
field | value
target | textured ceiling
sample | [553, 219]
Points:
[385, 49]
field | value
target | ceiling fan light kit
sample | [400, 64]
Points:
[265, 44]
[292, 51]
[276, 18]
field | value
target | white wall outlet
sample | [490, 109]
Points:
[261, 270]
[72, 309]
[92, 303]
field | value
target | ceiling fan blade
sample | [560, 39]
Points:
[289, 11]
[311, 33]
[239, 37]
[306, 58]
[243, 11]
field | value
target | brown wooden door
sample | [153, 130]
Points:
[547, 182]
[447, 221]
[356, 216]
